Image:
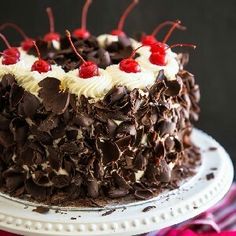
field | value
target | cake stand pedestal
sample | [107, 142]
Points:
[202, 191]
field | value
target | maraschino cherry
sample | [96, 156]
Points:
[150, 39]
[52, 35]
[159, 57]
[11, 55]
[129, 65]
[88, 69]
[161, 47]
[40, 65]
[119, 31]
[27, 43]
[83, 33]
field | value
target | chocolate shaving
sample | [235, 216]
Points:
[148, 208]
[8, 80]
[210, 176]
[83, 120]
[212, 148]
[38, 192]
[109, 151]
[16, 95]
[4, 122]
[164, 174]
[6, 139]
[29, 105]
[143, 194]
[54, 99]
[14, 181]
[93, 188]
[49, 123]
[117, 193]
[115, 95]
[173, 87]
[61, 181]
[109, 212]
[41, 210]
[20, 129]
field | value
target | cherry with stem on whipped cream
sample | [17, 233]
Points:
[88, 69]
[129, 65]
[11, 55]
[40, 65]
[27, 43]
[159, 58]
[82, 32]
[119, 31]
[52, 35]
[160, 47]
[150, 39]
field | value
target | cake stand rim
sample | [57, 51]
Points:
[133, 220]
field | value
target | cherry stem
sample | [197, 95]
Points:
[126, 13]
[68, 35]
[177, 23]
[85, 13]
[14, 26]
[51, 19]
[181, 45]
[135, 50]
[162, 25]
[5, 40]
[37, 50]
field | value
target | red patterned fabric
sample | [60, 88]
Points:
[220, 220]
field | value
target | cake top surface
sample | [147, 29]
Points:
[88, 65]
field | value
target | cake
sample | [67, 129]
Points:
[91, 120]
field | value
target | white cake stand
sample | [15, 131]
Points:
[172, 207]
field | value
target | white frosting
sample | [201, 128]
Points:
[56, 44]
[139, 174]
[29, 79]
[170, 69]
[20, 67]
[95, 87]
[106, 39]
[139, 80]
[25, 77]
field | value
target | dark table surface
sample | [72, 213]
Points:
[211, 25]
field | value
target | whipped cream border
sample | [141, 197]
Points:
[95, 87]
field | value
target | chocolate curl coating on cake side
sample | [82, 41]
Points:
[65, 149]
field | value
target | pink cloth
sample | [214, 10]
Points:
[220, 220]
[188, 232]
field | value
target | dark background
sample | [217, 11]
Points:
[211, 25]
